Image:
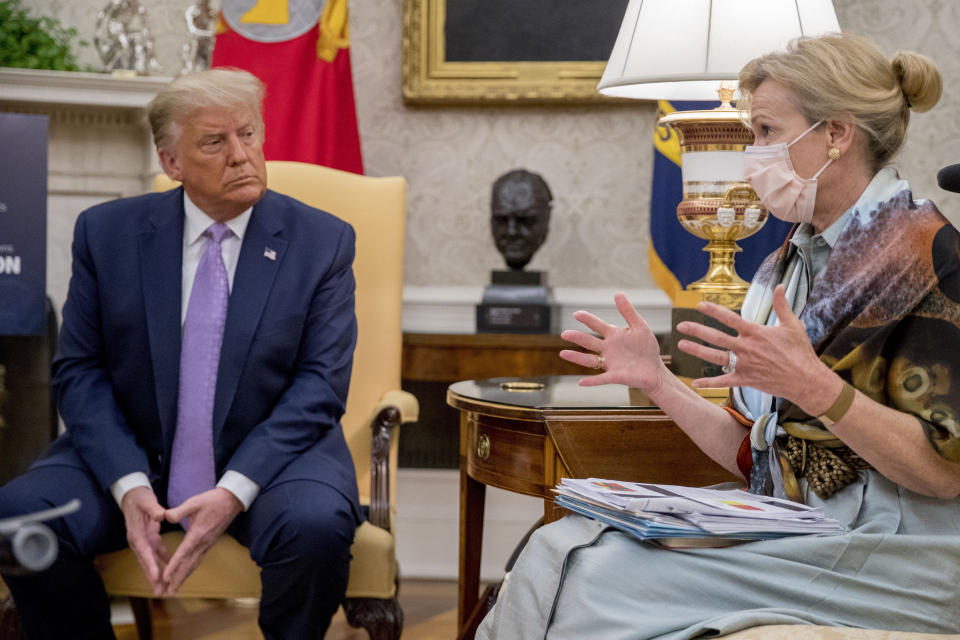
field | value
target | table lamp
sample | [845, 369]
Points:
[694, 50]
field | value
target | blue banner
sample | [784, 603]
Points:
[676, 256]
[23, 224]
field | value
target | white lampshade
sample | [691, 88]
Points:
[684, 49]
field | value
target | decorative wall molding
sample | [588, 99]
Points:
[440, 309]
[452, 309]
[73, 115]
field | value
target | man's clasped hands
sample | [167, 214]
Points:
[205, 516]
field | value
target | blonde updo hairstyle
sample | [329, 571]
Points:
[222, 87]
[846, 75]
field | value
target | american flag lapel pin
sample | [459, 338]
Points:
[269, 253]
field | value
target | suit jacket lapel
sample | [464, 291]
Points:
[252, 282]
[161, 276]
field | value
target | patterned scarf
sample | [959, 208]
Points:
[884, 314]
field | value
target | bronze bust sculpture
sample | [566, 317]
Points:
[518, 301]
[520, 206]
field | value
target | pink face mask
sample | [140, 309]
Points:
[785, 194]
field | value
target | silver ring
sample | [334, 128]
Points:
[601, 363]
[731, 365]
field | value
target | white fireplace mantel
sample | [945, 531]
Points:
[74, 88]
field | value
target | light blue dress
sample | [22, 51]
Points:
[896, 569]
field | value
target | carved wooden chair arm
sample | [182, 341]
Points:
[395, 407]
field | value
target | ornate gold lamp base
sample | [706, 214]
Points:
[717, 204]
[721, 285]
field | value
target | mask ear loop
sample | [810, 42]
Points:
[833, 154]
[829, 160]
[817, 174]
[812, 127]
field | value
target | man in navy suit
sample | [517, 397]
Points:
[281, 479]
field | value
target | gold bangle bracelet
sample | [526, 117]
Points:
[840, 406]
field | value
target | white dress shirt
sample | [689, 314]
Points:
[194, 243]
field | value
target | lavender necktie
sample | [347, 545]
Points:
[191, 463]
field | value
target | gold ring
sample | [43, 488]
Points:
[600, 362]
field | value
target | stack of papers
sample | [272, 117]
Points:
[668, 512]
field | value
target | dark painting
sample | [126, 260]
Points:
[531, 30]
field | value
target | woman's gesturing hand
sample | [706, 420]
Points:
[778, 360]
[629, 356]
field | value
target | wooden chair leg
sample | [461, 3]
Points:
[142, 617]
[383, 619]
[9, 620]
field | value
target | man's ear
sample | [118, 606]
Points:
[170, 165]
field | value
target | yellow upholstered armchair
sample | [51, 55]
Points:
[375, 408]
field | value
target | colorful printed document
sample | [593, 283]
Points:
[661, 511]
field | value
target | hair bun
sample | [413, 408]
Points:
[918, 78]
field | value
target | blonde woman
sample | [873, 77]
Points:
[845, 365]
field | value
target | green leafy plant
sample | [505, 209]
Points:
[35, 43]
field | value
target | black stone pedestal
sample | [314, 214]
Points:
[517, 302]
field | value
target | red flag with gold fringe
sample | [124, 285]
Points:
[300, 50]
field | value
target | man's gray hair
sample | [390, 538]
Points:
[221, 87]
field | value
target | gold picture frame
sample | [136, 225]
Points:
[429, 78]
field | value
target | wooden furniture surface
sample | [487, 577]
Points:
[432, 361]
[527, 440]
[444, 357]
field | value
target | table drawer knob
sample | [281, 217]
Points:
[483, 446]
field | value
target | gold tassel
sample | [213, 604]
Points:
[334, 30]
